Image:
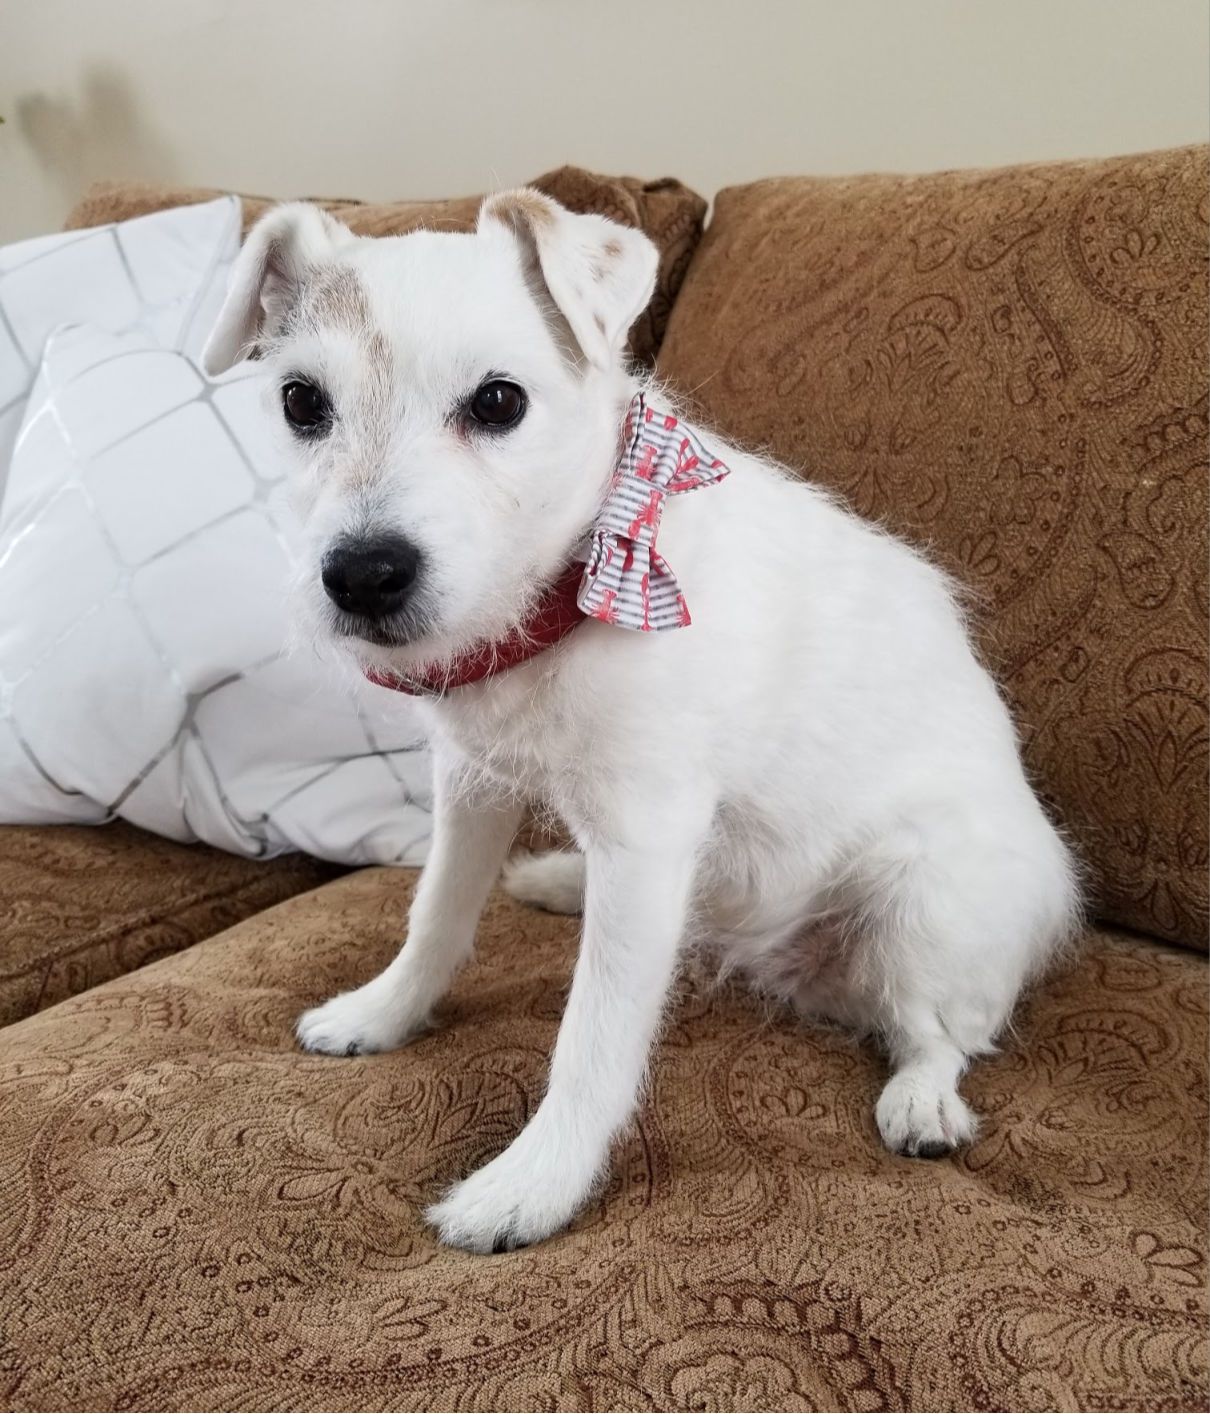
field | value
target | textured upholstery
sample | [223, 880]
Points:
[82, 904]
[198, 1215]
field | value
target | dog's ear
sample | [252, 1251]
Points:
[598, 274]
[283, 249]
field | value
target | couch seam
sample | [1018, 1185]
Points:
[139, 920]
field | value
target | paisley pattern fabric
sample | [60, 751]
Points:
[1009, 368]
[79, 905]
[198, 1215]
[666, 210]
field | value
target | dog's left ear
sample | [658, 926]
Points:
[598, 274]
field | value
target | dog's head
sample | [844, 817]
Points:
[452, 403]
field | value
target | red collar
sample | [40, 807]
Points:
[551, 619]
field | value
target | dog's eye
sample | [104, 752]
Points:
[498, 404]
[305, 406]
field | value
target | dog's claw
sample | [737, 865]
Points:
[358, 1023]
[921, 1123]
[507, 1204]
[928, 1149]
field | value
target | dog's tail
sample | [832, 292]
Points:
[553, 881]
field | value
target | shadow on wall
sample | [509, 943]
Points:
[104, 134]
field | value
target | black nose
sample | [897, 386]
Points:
[370, 577]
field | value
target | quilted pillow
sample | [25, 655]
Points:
[1009, 368]
[144, 558]
[163, 273]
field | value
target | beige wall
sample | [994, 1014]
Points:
[385, 98]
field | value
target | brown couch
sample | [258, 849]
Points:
[1007, 367]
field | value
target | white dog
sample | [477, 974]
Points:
[814, 777]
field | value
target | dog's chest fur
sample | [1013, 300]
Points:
[519, 731]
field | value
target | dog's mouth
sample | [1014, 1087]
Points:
[401, 630]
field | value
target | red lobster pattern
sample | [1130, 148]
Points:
[626, 581]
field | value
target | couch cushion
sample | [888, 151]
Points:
[665, 210]
[197, 1215]
[79, 905]
[1009, 368]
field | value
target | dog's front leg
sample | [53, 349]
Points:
[472, 830]
[634, 918]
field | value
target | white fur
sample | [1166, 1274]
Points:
[816, 780]
[553, 881]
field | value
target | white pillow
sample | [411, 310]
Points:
[164, 273]
[144, 558]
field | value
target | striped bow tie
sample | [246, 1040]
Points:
[627, 582]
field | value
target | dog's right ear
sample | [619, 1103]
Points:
[282, 251]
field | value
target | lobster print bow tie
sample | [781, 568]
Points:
[627, 582]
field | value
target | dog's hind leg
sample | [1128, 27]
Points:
[553, 880]
[920, 1005]
[920, 1113]
[922, 978]
[958, 915]
[471, 835]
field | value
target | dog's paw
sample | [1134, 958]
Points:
[919, 1121]
[358, 1023]
[503, 1206]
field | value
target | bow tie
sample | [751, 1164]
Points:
[626, 582]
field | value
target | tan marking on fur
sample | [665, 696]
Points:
[599, 266]
[378, 394]
[338, 298]
[523, 208]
